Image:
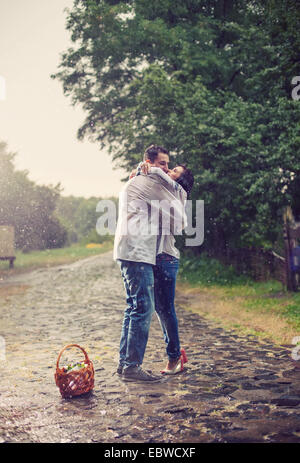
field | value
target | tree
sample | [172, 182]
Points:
[28, 207]
[207, 79]
[79, 216]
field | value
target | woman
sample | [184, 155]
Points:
[180, 180]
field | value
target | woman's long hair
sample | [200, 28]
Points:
[186, 179]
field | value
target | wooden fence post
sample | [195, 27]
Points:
[291, 232]
[287, 250]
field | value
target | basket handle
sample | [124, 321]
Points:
[72, 345]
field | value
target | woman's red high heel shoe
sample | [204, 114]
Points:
[179, 366]
[183, 354]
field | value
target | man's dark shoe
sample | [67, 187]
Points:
[137, 374]
[120, 369]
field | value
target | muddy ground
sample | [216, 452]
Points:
[234, 389]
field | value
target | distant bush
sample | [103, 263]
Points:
[208, 271]
[79, 216]
[94, 237]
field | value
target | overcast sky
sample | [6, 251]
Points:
[36, 120]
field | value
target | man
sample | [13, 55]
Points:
[157, 156]
[135, 251]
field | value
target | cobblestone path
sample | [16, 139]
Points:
[235, 389]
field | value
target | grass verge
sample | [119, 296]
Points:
[264, 309]
[50, 257]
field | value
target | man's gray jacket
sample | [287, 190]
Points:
[151, 211]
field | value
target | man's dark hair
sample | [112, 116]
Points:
[186, 179]
[152, 151]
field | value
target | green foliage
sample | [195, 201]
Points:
[94, 237]
[253, 296]
[28, 207]
[210, 81]
[202, 270]
[292, 311]
[48, 257]
[79, 216]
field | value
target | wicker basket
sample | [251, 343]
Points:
[74, 383]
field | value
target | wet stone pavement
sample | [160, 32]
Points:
[234, 389]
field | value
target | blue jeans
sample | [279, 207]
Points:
[165, 273]
[139, 286]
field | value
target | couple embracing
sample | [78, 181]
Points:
[151, 212]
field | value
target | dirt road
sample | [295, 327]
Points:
[235, 389]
